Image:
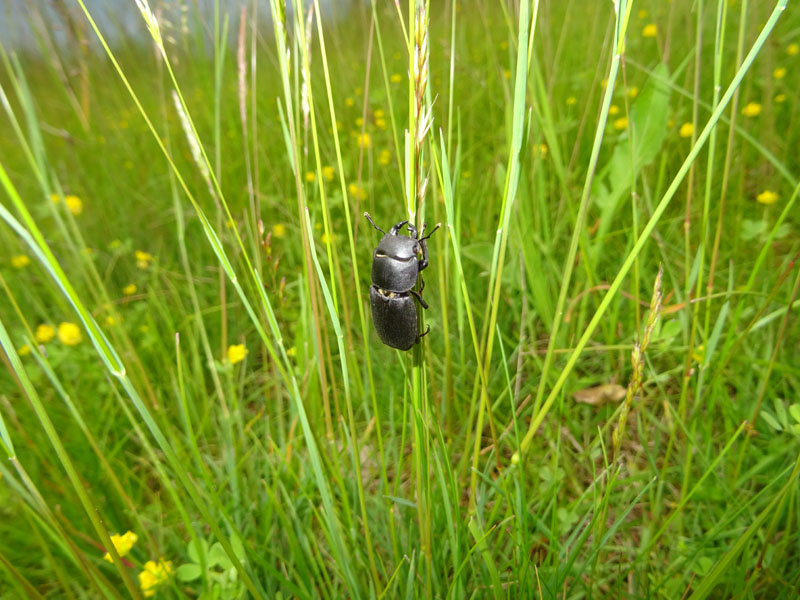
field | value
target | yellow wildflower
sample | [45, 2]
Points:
[793, 49]
[279, 230]
[349, 102]
[621, 123]
[364, 141]
[130, 289]
[357, 192]
[358, 91]
[384, 158]
[613, 110]
[236, 353]
[396, 78]
[359, 122]
[752, 109]
[111, 320]
[328, 173]
[650, 31]
[379, 114]
[767, 197]
[540, 150]
[310, 176]
[325, 238]
[20, 261]
[143, 259]
[572, 101]
[123, 543]
[633, 92]
[687, 129]
[115, 244]
[69, 334]
[381, 123]
[642, 14]
[779, 72]
[45, 333]
[780, 98]
[55, 198]
[74, 205]
[24, 350]
[154, 574]
[291, 351]
[506, 73]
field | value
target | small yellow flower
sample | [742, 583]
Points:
[396, 78]
[123, 543]
[328, 173]
[55, 198]
[779, 72]
[767, 197]
[69, 334]
[349, 102]
[752, 109]
[357, 192]
[621, 123]
[642, 14]
[358, 91]
[613, 110]
[74, 205]
[780, 98]
[115, 244]
[24, 350]
[279, 230]
[291, 351]
[20, 261]
[111, 320]
[154, 574]
[381, 123]
[379, 114]
[310, 176]
[650, 31]
[506, 73]
[364, 141]
[572, 101]
[633, 92]
[793, 48]
[686, 130]
[540, 151]
[384, 158]
[45, 333]
[236, 353]
[143, 259]
[130, 289]
[359, 122]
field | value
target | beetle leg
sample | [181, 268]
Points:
[424, 333]
[366, 214]
[397, 227]
[418, 297]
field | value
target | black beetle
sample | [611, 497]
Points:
[395, 268]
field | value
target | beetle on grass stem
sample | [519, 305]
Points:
[395, 268]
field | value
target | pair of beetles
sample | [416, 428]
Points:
[395, 268]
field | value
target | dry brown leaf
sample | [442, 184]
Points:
[600, 394]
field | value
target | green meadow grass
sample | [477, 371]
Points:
[606, 405]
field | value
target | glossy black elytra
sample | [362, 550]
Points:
[395, 268]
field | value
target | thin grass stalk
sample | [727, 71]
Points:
[66, 462]
[580, 221]
[652, 222]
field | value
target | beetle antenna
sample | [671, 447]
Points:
[431, 233]
[366, 214]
